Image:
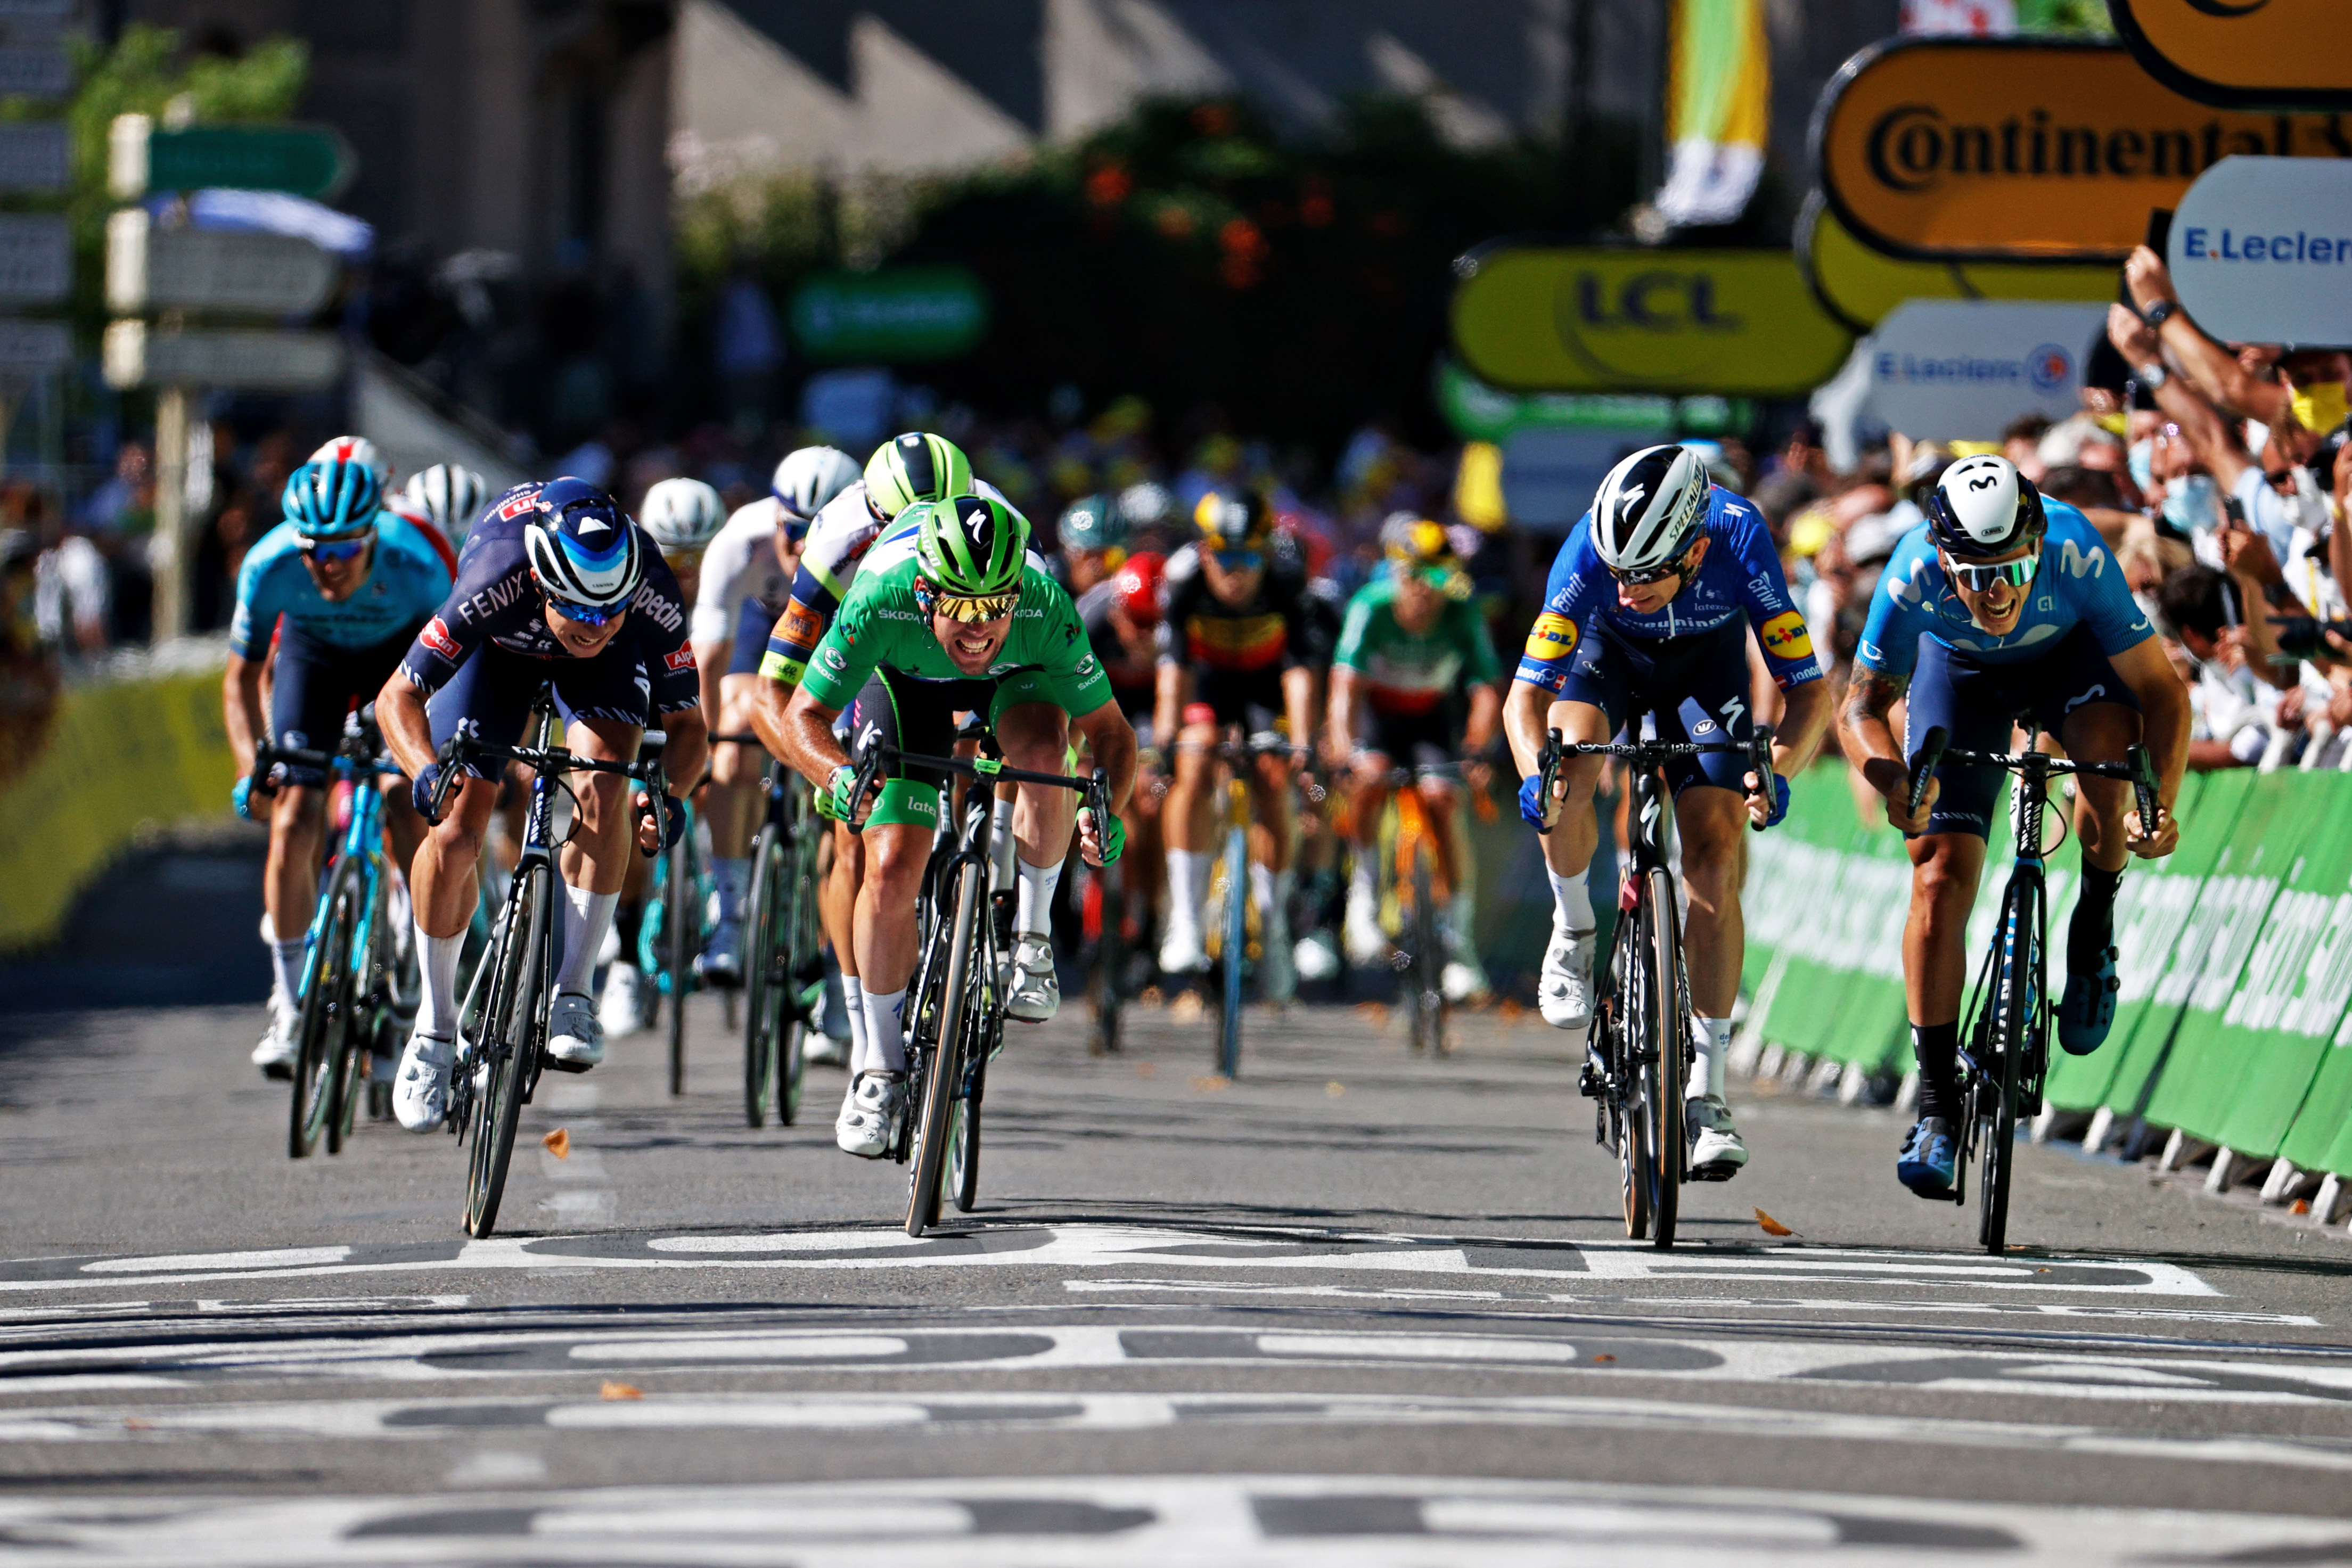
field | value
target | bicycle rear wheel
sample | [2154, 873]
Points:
[765, 968]
[361, 1024]
[803, 978]
[503, 1055]
[1662, 1065]
[2017, 994]
[677, 951]
[941, 1073]
[1428, 971]
[323, 1021]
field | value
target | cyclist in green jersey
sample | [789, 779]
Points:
[948, 615]
[1409, 641]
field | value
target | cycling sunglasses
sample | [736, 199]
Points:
[974, 610]
[795, 527]
[1239, 560]
[586, 614]
[2017, 573]
[1650, 574]
[329, 551]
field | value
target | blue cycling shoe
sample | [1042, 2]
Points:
[2088, 1011]
[1929, 1159]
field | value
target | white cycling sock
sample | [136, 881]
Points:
[731, 875]
[853, 1001]
[1270, 891]
[1363, 882]
[1000, 834]
[1459, 915]
[1033, 913]
[587, 917]
[436, 966]
[286, 967]
[1714, 1057]
[1187, 883]
[1572, 902]
[886, 1040]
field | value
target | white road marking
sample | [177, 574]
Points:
[787, 1346]
[1416, 1347]
[277, 1260]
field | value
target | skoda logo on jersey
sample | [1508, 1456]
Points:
[833, 661]
[1085, 668]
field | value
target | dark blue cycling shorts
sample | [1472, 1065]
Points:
[752, 624]
[490, 697]
[1977, 703]
[1698, 687]
[313, 683]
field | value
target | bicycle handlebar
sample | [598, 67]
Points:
[1646, 754]
[875, 753]
[548, 760]
[2137, 767]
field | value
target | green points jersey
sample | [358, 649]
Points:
[1406, 673]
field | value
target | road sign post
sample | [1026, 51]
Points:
[151, 268]
[306, 160]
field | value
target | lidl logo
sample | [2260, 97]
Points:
[1553, 636]
[1785, 637]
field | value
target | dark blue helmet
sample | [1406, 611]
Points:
[583, 548]
[332, 500]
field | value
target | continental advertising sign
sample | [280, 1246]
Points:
[1997, 149]
[2242, 54]
[1860, 286]
[1740, 323]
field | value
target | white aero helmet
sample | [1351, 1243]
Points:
[806, 479]
[1648, 507]
[1984, 507]
[356, 449]
[583, 549]
[681, 515]
[449, 496]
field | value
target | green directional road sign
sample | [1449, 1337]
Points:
[896, 315]
[306, 160]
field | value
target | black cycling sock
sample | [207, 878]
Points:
[628, 921]
[1938, 1048]
[2093, 929]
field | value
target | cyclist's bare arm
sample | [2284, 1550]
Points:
[1112, 740]
[1527, 714]
[1804, 721]
[1166, 703]
[686, 748]
[1298, 701]
[799, 728]
[241, 709]
[1341, 728]
[1871, 739]
[1486, 711]
[2164, 730]
[408, 732]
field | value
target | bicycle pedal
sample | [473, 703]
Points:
[552, 1063]
[1716, 1170]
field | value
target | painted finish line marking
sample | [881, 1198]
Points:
[1101, 1246]
[949, 1414]
[1056, 1523]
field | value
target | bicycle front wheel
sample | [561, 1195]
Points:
[367, 995]
[678, 954]
[2016, 994]
[763, 986]
[323, 1024]
[945, 1068]
[1428, 966]
[804, 975]
[1236, 948]
[1619, 1025]
[1666, 1021]
[502, 1056]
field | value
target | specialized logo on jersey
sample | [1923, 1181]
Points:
[1553, 636]
[436, 637]
[681, 660]
[1785, 637]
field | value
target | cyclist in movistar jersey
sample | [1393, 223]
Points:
[747, 580]
[1649, 608]
[352, 583]
[557, 587]
[1410, 647]
[949, 614]
[2006, 603]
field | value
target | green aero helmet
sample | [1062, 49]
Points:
[1092, 523]
[972, 546]
[916, 468]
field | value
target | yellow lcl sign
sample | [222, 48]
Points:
[1735, 323]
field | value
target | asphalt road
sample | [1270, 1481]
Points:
[1354, 1308]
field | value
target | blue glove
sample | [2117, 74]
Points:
[1780, 801]
[240, 795]
[673, 818]
[1531, 801]
[421, 792]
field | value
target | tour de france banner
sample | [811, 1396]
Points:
[2039, 150]
[2261, 249]
[1861, 287]
[2242, 54]
[1729, 323]
[1960, 370]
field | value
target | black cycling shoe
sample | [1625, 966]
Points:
[2088, 1011]
[1930, 1158]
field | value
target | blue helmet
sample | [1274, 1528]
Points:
[332, 500]
[1092, 523]
[583, 548]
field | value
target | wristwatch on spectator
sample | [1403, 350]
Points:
[2157, 314]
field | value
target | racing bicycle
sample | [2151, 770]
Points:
[502, 1025]
[676, 927]
[955, 1007]
[1413, 883]
[1641, 1049]
[1232, 930]
[2004, 1053]
[359, 964]
[783, 966]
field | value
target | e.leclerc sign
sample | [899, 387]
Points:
[2002, 149]
[2261, 250]
[1737, 323]
[899, 314]
[1959, 370]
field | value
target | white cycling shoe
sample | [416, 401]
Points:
[1316, 957]
[278, 1051]
[575, 1038]
[1564, 992]
[1033, 991]
[1366, 945]
[868, 1123]
[622, 1009]
[1462, 979]
[420, 1092]
[1181, 952]
[1715, 1152]
[721, 963]
[820, 1050]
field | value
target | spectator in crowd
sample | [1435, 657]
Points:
[1799, 476]
[2021, 443]
[28, 660]
[2202, 615]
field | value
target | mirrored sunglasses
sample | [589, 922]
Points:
[327, 551]
[586, 614]
[1239, 560]
[1648, 575]
[974, 610]
[2017, 573]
